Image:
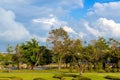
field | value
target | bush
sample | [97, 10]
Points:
[39, 79]
[4, 79]
[108, 69]
[112, 77]
[11, 78]
[59, 76]
[114, 70]
[83, 78]
[101, 71]
[16, 78]
[70, 75]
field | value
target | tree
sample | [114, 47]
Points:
[8, 57]
[100, 46]
[46, 56]
[31, 52]
[57, 39]
[18, 56]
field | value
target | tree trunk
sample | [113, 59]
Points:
[81, 68]
[59, 64]
[19, 66]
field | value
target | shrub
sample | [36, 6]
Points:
[114, 70]
[112, 77]
[83, 78]
[39, 79]
[11, 78]
[16, 78]
[101, 71]
[108, 69]
[4, 79]
[59, 76]
[70, 75]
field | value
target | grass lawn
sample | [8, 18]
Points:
[48, 74]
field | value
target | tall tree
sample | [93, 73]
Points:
[18, 56]
[57, 38]
[31, 50]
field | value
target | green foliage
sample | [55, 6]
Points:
[101, 71]
[114, 70]
[108, 69]
[112, 77]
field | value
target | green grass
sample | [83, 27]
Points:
[48, 74]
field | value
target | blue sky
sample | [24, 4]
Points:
[21, 20]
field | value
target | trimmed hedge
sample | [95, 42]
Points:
[112, 77]
[39, 79]
[71, 75]
[10, 78]
[83, 78]
[74, 76]
[5, 79]
[58, 76]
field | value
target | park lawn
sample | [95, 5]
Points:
[100, 76]
[48, 75]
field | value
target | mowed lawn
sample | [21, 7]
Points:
[48, 75]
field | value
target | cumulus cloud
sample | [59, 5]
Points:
[68, 29]
[91, 30]
[11, 29]
[108, 27]
[108, 10]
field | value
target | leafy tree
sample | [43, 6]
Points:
[46, 56]
[57, 39]
[31, 52]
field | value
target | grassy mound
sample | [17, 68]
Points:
[39, 79]
[10, 78]
[74, 76]
[112, 77]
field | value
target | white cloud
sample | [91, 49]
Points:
[82, 35]
[108, 28]
[10, 29]
[71, 3]
[68, 29]
[108, 10]
[91, 30]
[48, 23]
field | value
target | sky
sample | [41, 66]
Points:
[21, 20]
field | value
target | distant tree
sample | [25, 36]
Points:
[8, 58]
[46, 56]
[18, 56]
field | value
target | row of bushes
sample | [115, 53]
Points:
[74, 76]
[61, 77]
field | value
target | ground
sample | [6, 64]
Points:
[48, 74]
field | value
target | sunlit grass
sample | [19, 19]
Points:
[48, 74]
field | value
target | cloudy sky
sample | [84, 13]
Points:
[21, 20]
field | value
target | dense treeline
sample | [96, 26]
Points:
[99, 55]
